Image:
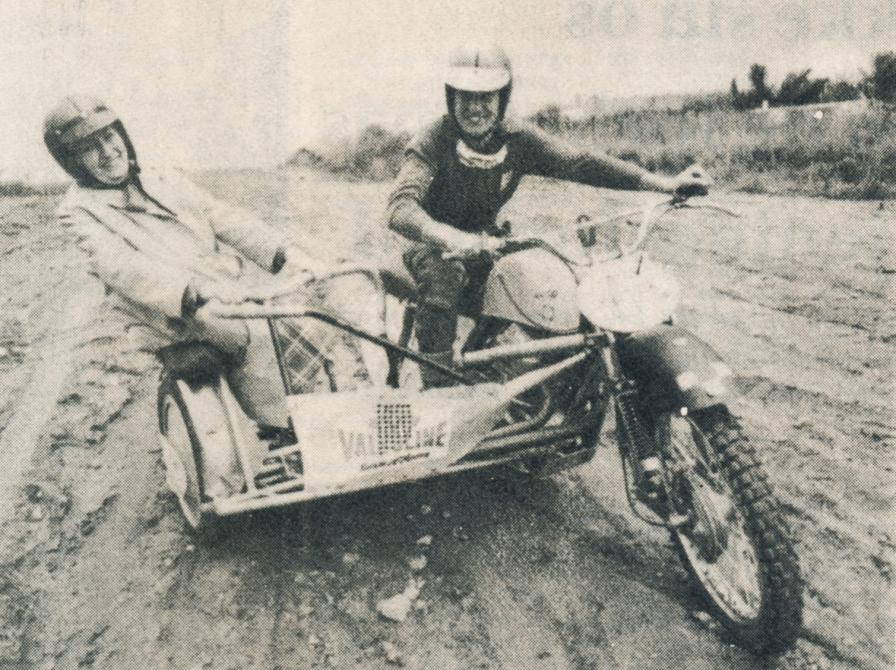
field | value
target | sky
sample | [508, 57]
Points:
[243, 83]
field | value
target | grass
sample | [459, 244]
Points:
[842, 155]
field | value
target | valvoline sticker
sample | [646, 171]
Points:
[348, 435]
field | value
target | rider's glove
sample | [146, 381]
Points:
[690, 182]
[472, 246]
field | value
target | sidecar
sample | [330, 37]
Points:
[219, 463]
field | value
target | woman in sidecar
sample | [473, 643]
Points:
[163, 248]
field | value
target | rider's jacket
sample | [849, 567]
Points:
[466, 189]
[151, 238]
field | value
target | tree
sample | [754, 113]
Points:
[882, 82]
[838, 91]
[743, 99]
[737, 98]
[550, 118]
[378, 152]
[760, 87]
[798, 88]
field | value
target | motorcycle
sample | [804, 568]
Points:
[557, 345]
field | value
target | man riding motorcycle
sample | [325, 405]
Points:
[161, 245]
[457, 174]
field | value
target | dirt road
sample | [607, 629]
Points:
[97, 571]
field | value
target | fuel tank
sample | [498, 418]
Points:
[535, 288]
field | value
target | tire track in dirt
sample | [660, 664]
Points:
[35, 402]
[556, 574]
[818, 401]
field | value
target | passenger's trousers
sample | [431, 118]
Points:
[254, 376]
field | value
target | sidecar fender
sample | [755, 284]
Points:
[675, 369]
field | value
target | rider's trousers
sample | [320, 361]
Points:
[446, 288]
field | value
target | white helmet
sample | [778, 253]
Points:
[480, 70]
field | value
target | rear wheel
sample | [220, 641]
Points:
[729, 529]
[180, 449]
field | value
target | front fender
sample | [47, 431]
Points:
[674, 368]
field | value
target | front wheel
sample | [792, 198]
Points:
[729, 529]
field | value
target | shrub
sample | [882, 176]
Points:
[883, 77]
[843, 155]
[375, 154]
[798, 88]
[840, 91]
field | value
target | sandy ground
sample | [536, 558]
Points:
[97, 572]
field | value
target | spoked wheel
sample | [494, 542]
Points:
[179, 446]
[729, 529]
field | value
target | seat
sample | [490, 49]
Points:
[193, 360]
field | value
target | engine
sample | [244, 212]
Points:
[534, 402]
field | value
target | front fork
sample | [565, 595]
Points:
[637, 446]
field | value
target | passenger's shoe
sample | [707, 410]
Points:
[276, 437]
[650, 488]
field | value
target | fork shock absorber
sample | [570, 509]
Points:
[636, 438]
[640, 448]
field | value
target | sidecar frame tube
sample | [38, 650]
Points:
[301, 311]
[535, 443]
[533, 348]
[556, 344]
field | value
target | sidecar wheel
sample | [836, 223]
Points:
[180, 449]
[750, 580]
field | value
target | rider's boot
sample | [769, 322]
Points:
[436, 328]
[431, 377]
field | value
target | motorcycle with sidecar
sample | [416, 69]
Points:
[560, 343]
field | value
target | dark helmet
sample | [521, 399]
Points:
[479, 70]
[74, 119]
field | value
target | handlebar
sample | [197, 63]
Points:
[647, 216]
[487, 247]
